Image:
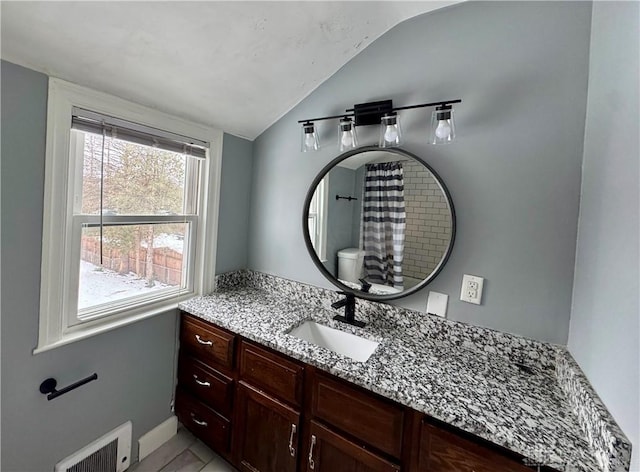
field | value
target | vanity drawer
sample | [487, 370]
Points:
[443, 451]
[212, 428]
[206, 342]
[272, 373]
[209, 385]
[368, 418]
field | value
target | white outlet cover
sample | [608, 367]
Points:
[467, 291]
[437, 304]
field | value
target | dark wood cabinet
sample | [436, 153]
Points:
[268, 432]
[211, 427]
[208, 385]
[376, 422]
[266, 412]
[206, 342]
[443, 451]
[328, 451]
[272, 373]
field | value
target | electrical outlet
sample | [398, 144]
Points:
[471, 291]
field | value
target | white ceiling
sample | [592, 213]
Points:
[238, 66]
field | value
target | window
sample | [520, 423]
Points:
[317, 219]
[130, 213]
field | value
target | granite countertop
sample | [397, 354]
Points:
[481, 392]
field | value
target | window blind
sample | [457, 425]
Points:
[92, 122]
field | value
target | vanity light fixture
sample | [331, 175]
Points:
[443, 129]
[347, 135]
[390, 133]
[383, 114]
[309, 137]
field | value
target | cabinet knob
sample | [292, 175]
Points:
[312, 464]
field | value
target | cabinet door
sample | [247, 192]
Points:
[443, 451]
[268, 432]
[376, 422]
[329, 452]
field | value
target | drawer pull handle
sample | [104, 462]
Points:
[312, 464]
[292, 450]
[206, 343]
[197, 421]
[200, 382]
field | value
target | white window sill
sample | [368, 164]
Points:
[89, 329]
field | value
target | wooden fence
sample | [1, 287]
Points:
[167, 263]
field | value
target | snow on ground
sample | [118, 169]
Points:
[101, 286]
[171, 241]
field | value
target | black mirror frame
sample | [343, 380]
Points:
[314, 256]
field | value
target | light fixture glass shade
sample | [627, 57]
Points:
[309, 138]
[390, 133]
[443, 129]
[347, 138]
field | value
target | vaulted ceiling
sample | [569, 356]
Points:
[238, 66]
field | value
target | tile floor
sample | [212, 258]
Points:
[182, 453]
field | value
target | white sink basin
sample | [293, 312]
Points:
[347, 344]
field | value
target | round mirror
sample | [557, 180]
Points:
[379, 223]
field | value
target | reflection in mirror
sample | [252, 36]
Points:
[381, 222]
[317, 219]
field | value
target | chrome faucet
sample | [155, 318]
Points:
[349, 304]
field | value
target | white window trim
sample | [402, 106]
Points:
[322, 207]
[54, 326]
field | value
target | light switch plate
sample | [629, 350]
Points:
[437, 304]
[471, 289]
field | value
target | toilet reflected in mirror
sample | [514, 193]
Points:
[350, 264]
[379, 223]
[351, 272]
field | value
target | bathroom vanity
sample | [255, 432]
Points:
[264, 411]
[434, 396]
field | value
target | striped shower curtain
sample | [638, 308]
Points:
[383, 223]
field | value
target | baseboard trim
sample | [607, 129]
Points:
[155, 438]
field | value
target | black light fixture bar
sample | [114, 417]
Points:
[372, 112]
[344, 115]
[423, 105]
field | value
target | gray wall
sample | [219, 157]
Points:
[135, 364]
[340, 215]
[605, 327]
[233, 220]
[514, 173]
